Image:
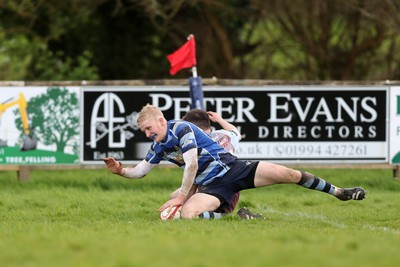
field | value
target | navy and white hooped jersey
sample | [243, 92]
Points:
[213, 160]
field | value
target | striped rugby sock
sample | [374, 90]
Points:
[210, 215]
[310, 181]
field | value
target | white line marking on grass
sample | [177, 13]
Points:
[329, 221]
[383, 229]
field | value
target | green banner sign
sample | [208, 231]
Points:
[398, 105]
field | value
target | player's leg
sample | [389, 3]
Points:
[231, 207]
[269, 173]
[221, 196]
[200, 203]
[243, 213]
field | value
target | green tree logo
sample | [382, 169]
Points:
[54, 117]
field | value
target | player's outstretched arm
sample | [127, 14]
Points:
[139, 171]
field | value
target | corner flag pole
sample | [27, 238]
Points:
[185, 57]
[194, 71]
[196, 91]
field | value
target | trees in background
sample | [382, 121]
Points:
[240, 39]
[29, 28]
[330, 40]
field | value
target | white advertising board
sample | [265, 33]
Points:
[394, 144]
[39, 125]
[310, 124]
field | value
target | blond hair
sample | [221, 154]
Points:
[149, 112]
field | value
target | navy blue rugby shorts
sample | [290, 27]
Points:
[239, 177]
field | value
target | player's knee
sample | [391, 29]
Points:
[189, 212]
[294, 175]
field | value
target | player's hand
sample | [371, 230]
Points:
[173, 202]
[114, 166]
[214, 116]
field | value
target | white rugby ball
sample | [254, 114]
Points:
[171, 213]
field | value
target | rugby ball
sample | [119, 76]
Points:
[171, 213]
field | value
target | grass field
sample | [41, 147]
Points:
[92, 218]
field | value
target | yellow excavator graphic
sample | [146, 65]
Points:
[28, 141]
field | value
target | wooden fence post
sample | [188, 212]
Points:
[396, 172]
[23, 173]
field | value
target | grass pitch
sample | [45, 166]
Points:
[92, 218]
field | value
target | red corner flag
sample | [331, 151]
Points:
[184, 57]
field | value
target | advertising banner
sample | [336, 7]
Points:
[281, 124]
[39, 125]
[394, 125]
